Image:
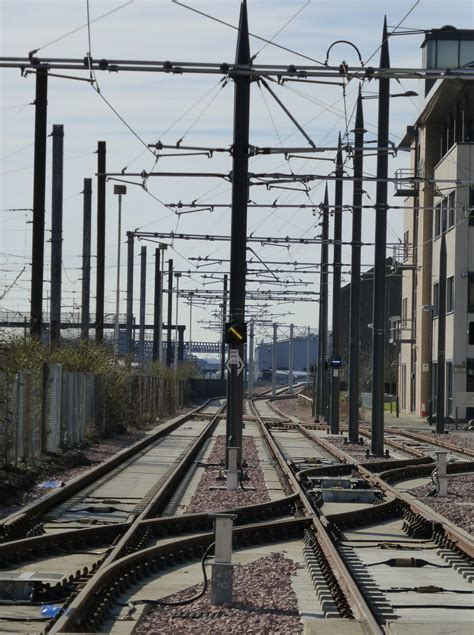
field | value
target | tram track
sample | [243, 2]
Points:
[125, 562]
[52, 567]
[395, 533]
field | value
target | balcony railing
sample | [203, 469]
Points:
[406, 181]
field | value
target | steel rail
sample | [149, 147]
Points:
[407, 433]
[451, 531]
[156, 505]
[46, 545]
[17, 524]
[443, 444]
[345, 581]
[121, 574]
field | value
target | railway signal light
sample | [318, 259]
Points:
[236, 333]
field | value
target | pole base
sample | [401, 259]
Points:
[222, 584]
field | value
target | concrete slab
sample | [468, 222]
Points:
[440, 627]
[270, 475]
[334, 627]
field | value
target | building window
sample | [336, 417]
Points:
[451, 209]
[450, 294]
[470, 375]
[470, 292]
[449, 389]
[444, 138]
[471, 206]
[404, 312]
[444, 215]
[435, 299]
[437, 220]
[405, 245]
[471, 334]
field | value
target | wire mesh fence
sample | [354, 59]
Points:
[52, 409]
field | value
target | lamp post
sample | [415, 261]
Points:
[429, 308]
[119, 190]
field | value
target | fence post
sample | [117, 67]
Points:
[54, 406]
[27, 416]
[44, 408]
[7, 401]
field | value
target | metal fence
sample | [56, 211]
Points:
[54, 409]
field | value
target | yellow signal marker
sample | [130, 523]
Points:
[236, 333]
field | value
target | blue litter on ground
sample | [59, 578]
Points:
[51, 484]
[50, 610]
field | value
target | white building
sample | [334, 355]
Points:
[441, 200]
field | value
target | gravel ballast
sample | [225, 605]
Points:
[458, 506]
[264, 602]
[207, 499]
[356, 451]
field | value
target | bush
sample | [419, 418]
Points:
[114, 378]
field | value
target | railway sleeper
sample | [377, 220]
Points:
[323, 568]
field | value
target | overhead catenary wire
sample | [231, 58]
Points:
[257, 37]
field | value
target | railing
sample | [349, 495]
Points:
[405, 181]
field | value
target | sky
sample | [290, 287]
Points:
[199, 110]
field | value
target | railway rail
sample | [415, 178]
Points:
[47, 555]
[372, 552]
[390, 543]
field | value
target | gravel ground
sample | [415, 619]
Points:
[205, 499]
[296, 408]
[458, 506]
[463, 441]
[357, 451]
[264, 602]
[64, 467]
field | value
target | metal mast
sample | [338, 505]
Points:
[238, 254]
[378, 335]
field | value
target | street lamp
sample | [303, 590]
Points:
[119, 190]
[429, 308]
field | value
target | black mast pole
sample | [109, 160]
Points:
[324, 382]
[354, 326]
[129, 319]
[39, 187]
[86, 259]
[379, 327]
[440, 383]
[56, 233]
[157, 317]
[100, 272]
[238, 253]
[224, 320]
[169, 351]
[336, 290]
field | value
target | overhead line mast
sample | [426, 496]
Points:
[238, 253]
